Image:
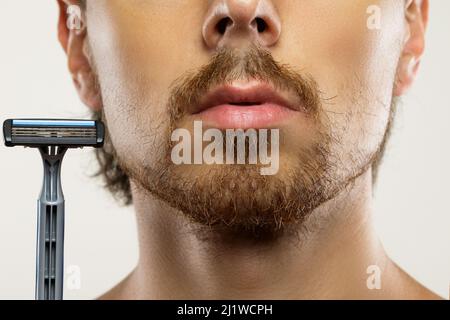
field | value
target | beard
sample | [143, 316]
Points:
[237, 199]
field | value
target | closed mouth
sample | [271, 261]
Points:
[243, 105]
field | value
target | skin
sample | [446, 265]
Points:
[136, 50]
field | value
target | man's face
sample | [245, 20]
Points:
[157, 61]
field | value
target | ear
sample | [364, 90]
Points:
[72, 35]
[416, 18]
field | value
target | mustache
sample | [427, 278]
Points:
[253, 63]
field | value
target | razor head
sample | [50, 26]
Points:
[53, 132]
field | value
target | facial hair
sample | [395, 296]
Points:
[237, 199]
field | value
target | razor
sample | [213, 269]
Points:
[52, 138]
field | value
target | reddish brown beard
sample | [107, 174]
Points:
[235, 199]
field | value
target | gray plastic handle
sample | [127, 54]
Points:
[50, 231]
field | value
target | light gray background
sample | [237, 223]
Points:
[413, 213]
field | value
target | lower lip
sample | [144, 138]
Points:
[228, 116]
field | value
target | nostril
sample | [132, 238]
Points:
[223, 24]
[261, 25]
[233, 23]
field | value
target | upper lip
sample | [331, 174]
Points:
[244, 93]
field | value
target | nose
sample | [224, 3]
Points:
[234, 23]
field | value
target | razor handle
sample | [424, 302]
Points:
[50, 230]
[52, 137]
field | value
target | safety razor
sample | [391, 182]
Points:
[52, 137]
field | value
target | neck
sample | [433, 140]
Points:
[327, 261]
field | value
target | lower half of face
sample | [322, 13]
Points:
[326, 87]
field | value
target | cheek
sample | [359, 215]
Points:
[353, 64]
[138, 45]
[139, 53]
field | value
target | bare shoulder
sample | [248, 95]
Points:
[399, 286]
[422, 293]
[410, 289]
